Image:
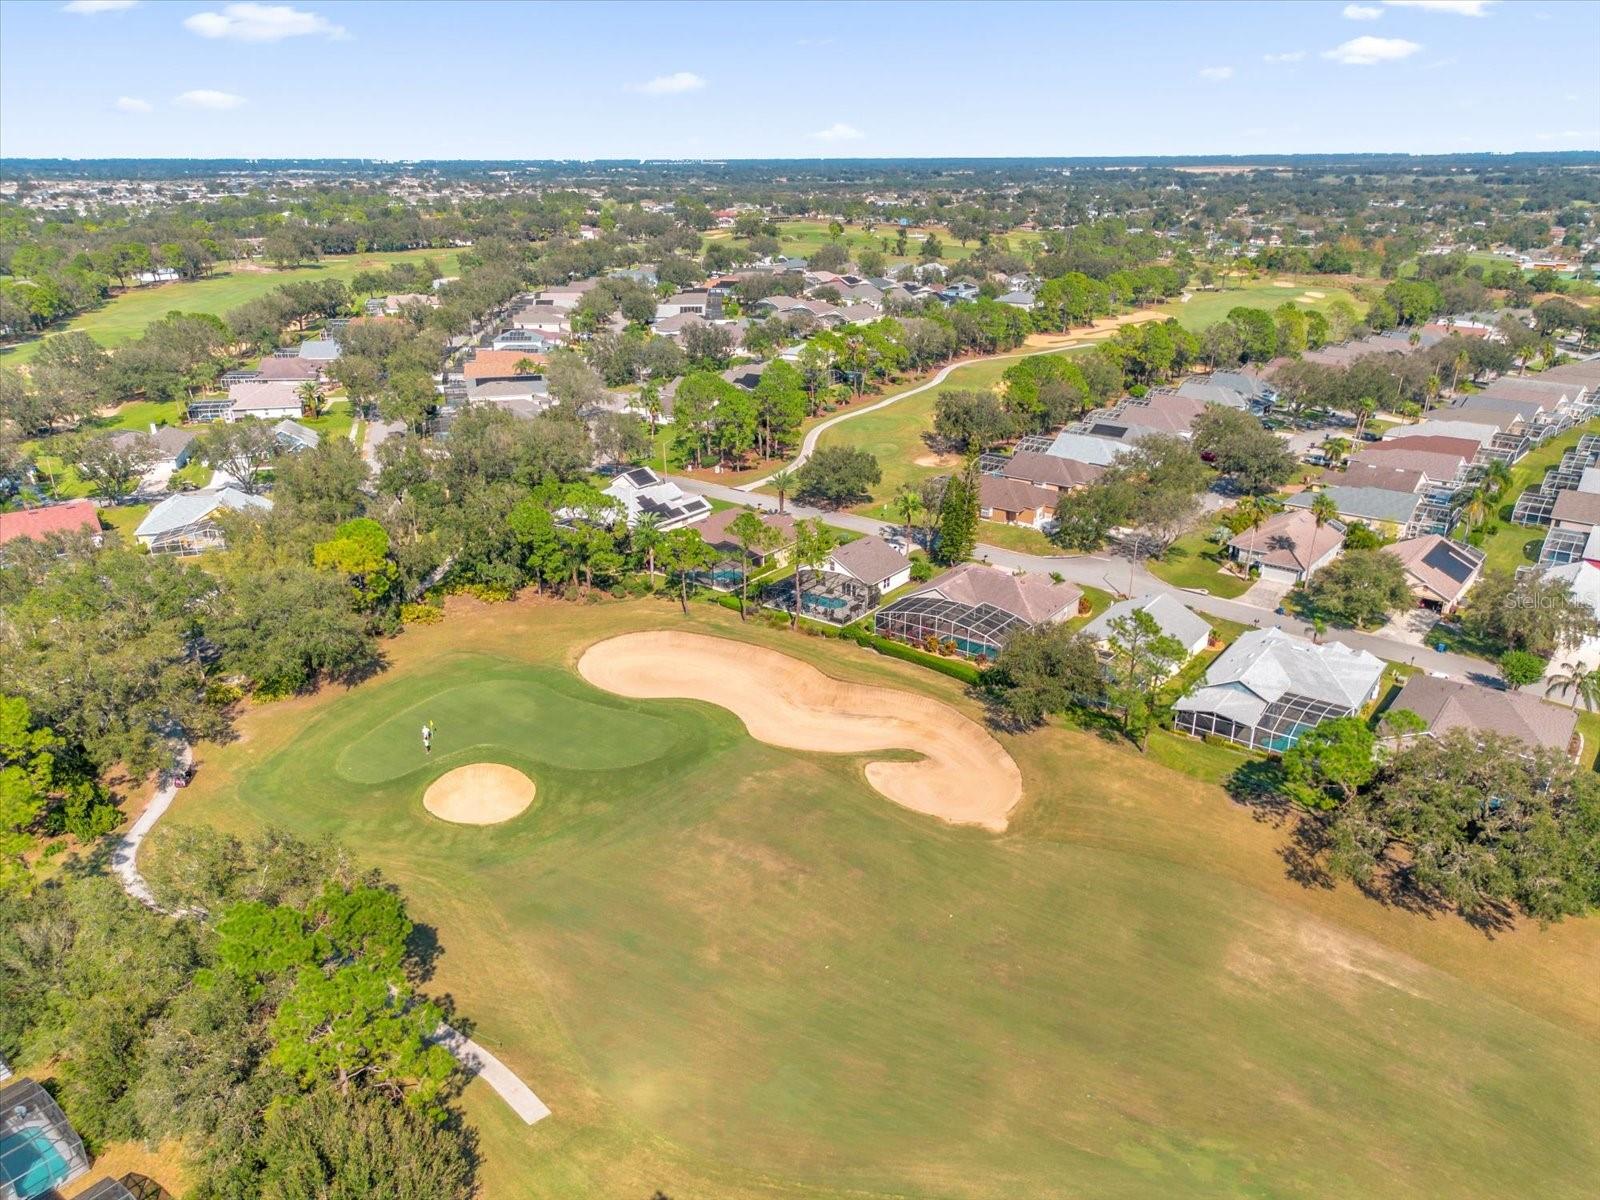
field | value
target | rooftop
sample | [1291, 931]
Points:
[1447, 704]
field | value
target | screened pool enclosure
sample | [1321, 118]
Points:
[39, 1150]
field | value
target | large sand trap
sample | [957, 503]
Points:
[479, 794]
[965, 777]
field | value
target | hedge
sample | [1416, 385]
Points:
[954, 667]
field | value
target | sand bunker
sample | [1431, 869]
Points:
[938, 460]
[1315, 295]
[479, 794]
[965, 777]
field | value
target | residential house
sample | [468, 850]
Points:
[52, 520]
[529, 341]
[564, 295]
[870, 561]
[320, 350]
[1479, 433]
[715, 534]
[485, 365]
[641, 491]
[186, 523]
[294, 437]
[172, 446]
[1288, 547]
[1020, 298]
[542, 319]
[1447, 704]
[272, 400]
[697, 303]
[1172, 617]
[1088, 449]
[1440, 571]
[976, 608]
[298, 370]
[1015, 502]
[1269, 687]
[1390, 513]
[1050, 471]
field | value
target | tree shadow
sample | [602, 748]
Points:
[367, 668]
[422, 952]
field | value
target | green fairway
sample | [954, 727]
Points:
[1208, 307]
[733, 970]
[124, 316]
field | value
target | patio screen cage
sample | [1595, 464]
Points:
[978, 630]
[39, 1150]
[1282, 724]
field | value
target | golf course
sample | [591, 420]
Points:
[733, 968]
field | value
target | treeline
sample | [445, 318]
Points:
[212, 1030]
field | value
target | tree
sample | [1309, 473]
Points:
[239, 449]
[1044, 669]
[1141, 658]
[115, 465]
[780, 403]
[754, 536]
[813, 542]
[837, 476]
[290, 626]
[1324, 509]
[971, 421]
[45, 786]
[324, 1145]
[1579, 680]
[322, 484]
[1519, 668]
[1330, 763]
[1529, 612]
[1240, 447]
[683, 553]
[1477, 821]
[359, 549]
[645, 540]
[1360, 588]
[908, 504]
[958, 517]
[782, 481]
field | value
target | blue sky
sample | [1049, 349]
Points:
[95, 78]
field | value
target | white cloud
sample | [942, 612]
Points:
[1361, 12]
[1368, 51]
[261, 23]
[670, 85]
[1286, 56]
[1461, 8]
[206, 98]
[89, 8]
[837, 132]
[132, 104]
[1216, 74]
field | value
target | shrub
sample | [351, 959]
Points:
[420, 614]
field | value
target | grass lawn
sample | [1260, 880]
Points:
[1208, 307]
[1512, 546]
[737, 971]
[897, 437]
[1193, 561]
[125, 518]
[124, 316]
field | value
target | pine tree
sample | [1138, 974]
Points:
[958, 517]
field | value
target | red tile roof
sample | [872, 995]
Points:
[40, 523]
[498, 364]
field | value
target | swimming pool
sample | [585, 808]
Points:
[30, 1162]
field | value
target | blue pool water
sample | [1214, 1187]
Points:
[30, 1163]
[831, 602]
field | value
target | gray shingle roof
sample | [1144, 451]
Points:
[1447, 704]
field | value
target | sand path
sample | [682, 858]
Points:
[964, 777]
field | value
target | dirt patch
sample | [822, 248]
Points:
[1314, 295]
[964, 776]
[479, 794]
[1283, 283]
[937, 460]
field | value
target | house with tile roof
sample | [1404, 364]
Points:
[1441, 572]
[52, 520]
[1015, 502]
[1172, 617]
[975, 608]
[1288, 547]
[870, 561]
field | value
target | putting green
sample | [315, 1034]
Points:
[527, 718]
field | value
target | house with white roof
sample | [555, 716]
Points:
[273, 400]
[1268, 688]
[1172, 617]
[641, 491]
[186, 523]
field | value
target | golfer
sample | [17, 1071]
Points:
[427, 738]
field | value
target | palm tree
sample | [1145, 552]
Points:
[1254, 510]
[1336, 450]
[311, 398]
[646, 538]
[783, 483]
[1323, 508]
[1583, 682]
[908, 504]
[1458, 364]
[1364, 409]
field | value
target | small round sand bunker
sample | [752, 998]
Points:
[964, 776]
[479, 794]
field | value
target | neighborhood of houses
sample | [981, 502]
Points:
[1404, 483]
